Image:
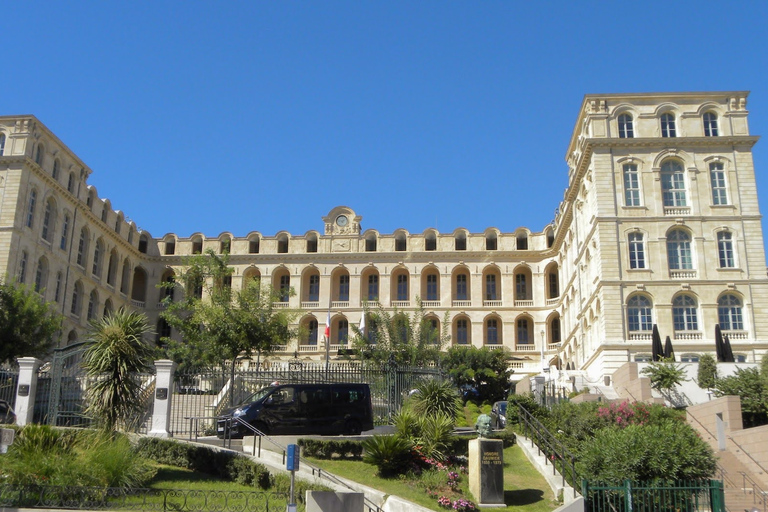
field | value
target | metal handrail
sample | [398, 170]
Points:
[755, 490]
[554, 448]
[370, 505]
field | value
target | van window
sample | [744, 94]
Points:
[282, 396]
[315, 396]
[355, 395]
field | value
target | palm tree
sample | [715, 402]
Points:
[116, 354]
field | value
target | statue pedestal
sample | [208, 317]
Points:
[486, 472]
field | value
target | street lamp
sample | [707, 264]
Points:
[544, 365]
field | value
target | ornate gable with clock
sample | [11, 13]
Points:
[342, 221]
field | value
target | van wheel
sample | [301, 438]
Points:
[261, 427]
[353, 427]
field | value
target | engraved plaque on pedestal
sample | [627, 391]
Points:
[486, 471]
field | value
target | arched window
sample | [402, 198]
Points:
[523, 331]
[169, 282]
[492, 285]
[23, 267]
[462, 286]
[492, 332]
[460, 242]
[433, 286]
[285, 287]
[343, 332]
[631, 185]
[41, 275]
[71, 183]
[49, 220]
[370, 280]
[98, 255]
[311, 242]
[64, 232]
[2, 144]
[725, 249]
[522, 241]
[710, 124]
[31, 208]
[253, 245]
[673, 183]
[554, 331]
[729, 313]
[553, 282]
[197, 245]
[312, 332]
[679, 250]
[402, 287]
[717, 179]
[163, 331]
[463, 333]
[313, 289]
[143, 243]
[639, 314]
[77, 295]
[39, 154]
[344, 287]
[93, 301]
[57, 292]
[370, 242]
[522, 285]
[56, 167]
[104, 212]
[400, 244]
[684, 313]
[430, 242]
[491, 241]
[626, 130]
[82, 247]
[668, 128]
[282, 244]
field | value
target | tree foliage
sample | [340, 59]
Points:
[219, 324]
[28, 325]
[436, 396]
[411, 340]
[707, 373]
[665, 375]
[485, 369]
[117, 352]
[750, 386]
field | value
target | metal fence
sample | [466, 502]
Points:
[208, 394]
[100, 498]
[9, 379]
[702, 496]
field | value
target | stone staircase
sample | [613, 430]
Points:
[741, 494]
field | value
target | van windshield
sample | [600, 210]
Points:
[259, 395]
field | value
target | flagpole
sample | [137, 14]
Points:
[327, 336]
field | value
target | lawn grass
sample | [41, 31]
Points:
[525, 489]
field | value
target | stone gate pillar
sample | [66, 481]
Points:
[26, 390]
[161, 416]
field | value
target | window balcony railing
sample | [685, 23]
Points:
[554, 346]
[553, 302]
[280, 305]
[310, 304]
[677, 210]
[640, 336]
[523, 303]
[339, 304]
[401, 303]
[309, 348]
[335, 347]
[516, 365]
[525, 347]
[137, 303]
[160, 305]
[494, 345]
[430, 303]
[279, 348]
[682, 274]
[687, 335]
[462, 303]
[373, 303]
[737, 335]
[492, 303]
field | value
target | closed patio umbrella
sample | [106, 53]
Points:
[727, 350]
[669, 352]
[657, 351]
[719, 343]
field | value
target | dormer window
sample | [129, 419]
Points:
[430, 242]
[668, 125]
[522, 241]
[460, 242]
[710, 124]
[400, 242]
[626, 129]
[143, 243]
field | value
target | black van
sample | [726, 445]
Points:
[302, 409]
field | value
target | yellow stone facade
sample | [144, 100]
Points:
[659, 224]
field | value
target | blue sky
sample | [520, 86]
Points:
[262, 116]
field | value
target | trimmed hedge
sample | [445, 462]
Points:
[223, 464]
[321, 449]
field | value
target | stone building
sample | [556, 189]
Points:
[659, 224]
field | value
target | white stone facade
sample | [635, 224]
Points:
[659, 224]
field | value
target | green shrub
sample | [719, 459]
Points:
[390, 454]
[435, 431]
[205, 460]
[406, 424]
[322, 449]
[665, 452]
[529, 403]
[436, 396]
[507, 437]
[707, 373]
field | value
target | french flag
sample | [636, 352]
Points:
[328, 326]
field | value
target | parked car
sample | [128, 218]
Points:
[468, 392]
[7, 416]
[301, 409]
[499, 415]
